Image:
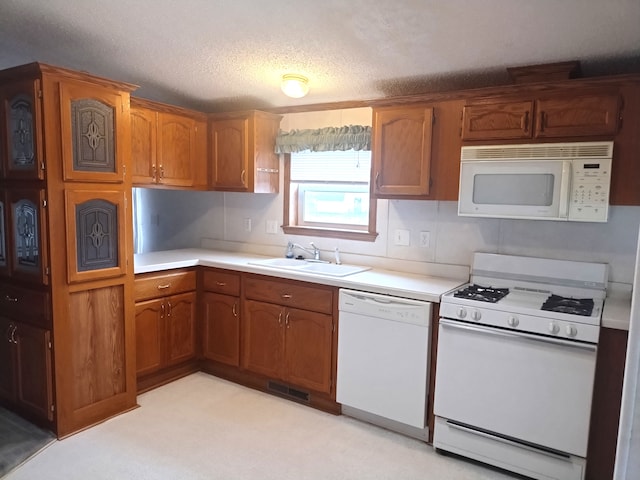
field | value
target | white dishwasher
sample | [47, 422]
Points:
[383, 360]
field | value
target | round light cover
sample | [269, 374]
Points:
[294, 85]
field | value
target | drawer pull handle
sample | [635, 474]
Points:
[13, 335]
[221, 284]
[169, 308]
[162, 287]
[162, 311]
[280, 319]
[286, 320]
[234, 310]
[287, 296]
[11, 299]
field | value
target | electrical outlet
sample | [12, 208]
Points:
[247, 224]
[402, 237]
[272, 226]
[424, 239]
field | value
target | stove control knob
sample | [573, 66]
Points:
[462, 312]
[571, 330]
[476, 315]
[553, 328]
[513, 321]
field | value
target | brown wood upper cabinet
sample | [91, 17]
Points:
[168, 145]
[243, 157]
[401, 151]
[553, 117]
[21, 122]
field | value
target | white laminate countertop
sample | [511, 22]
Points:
[616, 313]
[400, 284]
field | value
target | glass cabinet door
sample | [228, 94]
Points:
[26, 217]
[4, 264]
[95, 130]
[22, 155]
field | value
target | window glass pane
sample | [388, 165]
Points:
[349, 166]
[335, 204]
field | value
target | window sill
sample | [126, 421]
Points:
[320, 232]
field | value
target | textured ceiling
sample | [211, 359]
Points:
[218, 55]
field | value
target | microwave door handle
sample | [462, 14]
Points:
[564, 189]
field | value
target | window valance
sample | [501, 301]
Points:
[348, 137]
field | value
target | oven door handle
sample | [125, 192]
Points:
[517, 335]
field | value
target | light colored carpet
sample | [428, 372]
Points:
[202, 427]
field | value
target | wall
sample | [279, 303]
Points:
[216, 219]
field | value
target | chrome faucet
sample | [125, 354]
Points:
[315, 251]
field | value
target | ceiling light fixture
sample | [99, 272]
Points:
[294, 85]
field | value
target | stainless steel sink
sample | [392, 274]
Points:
[317, 268]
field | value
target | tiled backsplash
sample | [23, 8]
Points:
[181, 219]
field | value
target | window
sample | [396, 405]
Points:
[328, 195]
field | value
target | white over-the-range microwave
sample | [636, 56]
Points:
[544, 181]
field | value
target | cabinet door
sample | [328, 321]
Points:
[262, 333]
[176, 150]
[221, 328]
[149, 336]
[7, 360]
[578, 116]
[308, 349]
[33, 369]
[497, 121]
[22, 112]
[230, 154]
[96, 236]
[180, 322]
[402, 151]
[95, 133]
[4, 254]
[143, 146]
[28, 230]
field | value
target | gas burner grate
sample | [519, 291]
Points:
[482, 294]
[574, 306]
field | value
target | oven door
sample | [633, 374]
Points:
[525, 387]
[536, 189]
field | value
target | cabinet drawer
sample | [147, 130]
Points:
[299, 295]
[162, 284]
[219, 281]
[24, 304]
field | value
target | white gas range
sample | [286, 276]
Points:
[516, 363]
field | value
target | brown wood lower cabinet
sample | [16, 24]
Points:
[221, 316]
[25, 368]
[165, 327]
[607, 398]
[221, 328]
[284, 342]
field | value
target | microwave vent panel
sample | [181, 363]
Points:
[539, 151]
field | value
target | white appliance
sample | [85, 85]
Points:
[548, 181]
[383, 359]
[627, 466]
[516, 364]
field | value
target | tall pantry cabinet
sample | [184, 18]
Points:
[66, 257]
